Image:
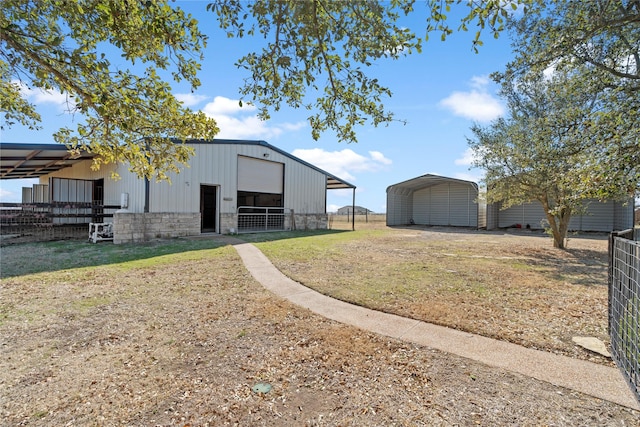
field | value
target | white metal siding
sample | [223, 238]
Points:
[259, 175]
[41, 193]
[534, 215]
[305, 189]
[128, 183]
[212, 164]
[422, 206]
[448, 203]
[399, 207]
[217, 164]
[439, 203]
[27, 195]
[528, 213]
[623, 215]
[599, 216]
[463, 211]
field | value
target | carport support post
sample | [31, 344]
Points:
[353, 211]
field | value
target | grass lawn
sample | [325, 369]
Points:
[514, 287]
[177, 332]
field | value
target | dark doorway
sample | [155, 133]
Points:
[97, 201]
[208, 208]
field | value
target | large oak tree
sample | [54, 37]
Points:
[544, 150]
[126, 116]
[129, 115]
[601, 38]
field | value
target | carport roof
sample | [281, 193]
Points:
[426, 181]
[19, 161]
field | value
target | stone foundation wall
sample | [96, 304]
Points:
[143, 227]
[228, 222]
[311, 222]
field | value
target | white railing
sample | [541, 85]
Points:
[252, 219]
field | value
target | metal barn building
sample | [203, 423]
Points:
[597, 216]
[230, 186]
[433, 200]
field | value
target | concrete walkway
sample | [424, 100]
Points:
[590, 378]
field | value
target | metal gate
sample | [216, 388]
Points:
[624, 305]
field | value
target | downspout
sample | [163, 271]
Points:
[146, 182]
[146, 195]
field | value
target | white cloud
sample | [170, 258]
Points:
[189, 99]
[241, 122]
[40, 96]
[477, 104]
[221, 106]
[466, 159]
[5, 194]
[469, 176]
[379, 157]
[343, 163]
[333, 208]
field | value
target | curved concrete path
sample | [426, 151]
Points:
[590, 378]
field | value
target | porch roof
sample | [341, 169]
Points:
[20, 161]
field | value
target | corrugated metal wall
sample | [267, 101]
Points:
[217, 165]
[439, 205]
[463, 208]
[528, 213]
[128, 183]
[599, 216]
[623, 215]
[399, 206]
[212, 164]
[447, 204]
[421, 199]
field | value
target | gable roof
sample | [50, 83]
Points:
[19, 161]
[425, 181]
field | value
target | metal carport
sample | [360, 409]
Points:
[433, 200]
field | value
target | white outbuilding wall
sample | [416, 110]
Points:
[220, 168]
[433, 200]
[597, 216]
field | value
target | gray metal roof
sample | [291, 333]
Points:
[19, 161]
[426, 181]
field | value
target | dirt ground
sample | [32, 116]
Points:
[197, 342]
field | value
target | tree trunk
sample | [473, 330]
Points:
[559, 224]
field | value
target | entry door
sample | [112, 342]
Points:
[208, 208]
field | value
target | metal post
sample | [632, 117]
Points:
[353, 211]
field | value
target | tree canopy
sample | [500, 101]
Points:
[324, 48]
[129, 115]
[543, 150]
[316, 56]
[602, 39]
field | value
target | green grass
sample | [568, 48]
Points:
[31, 258]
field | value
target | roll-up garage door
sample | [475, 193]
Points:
[260, 176]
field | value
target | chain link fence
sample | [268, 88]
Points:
[624, 304]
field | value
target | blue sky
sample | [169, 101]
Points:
[440, 93]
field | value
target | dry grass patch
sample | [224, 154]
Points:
[181, 339]
[514, 287]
